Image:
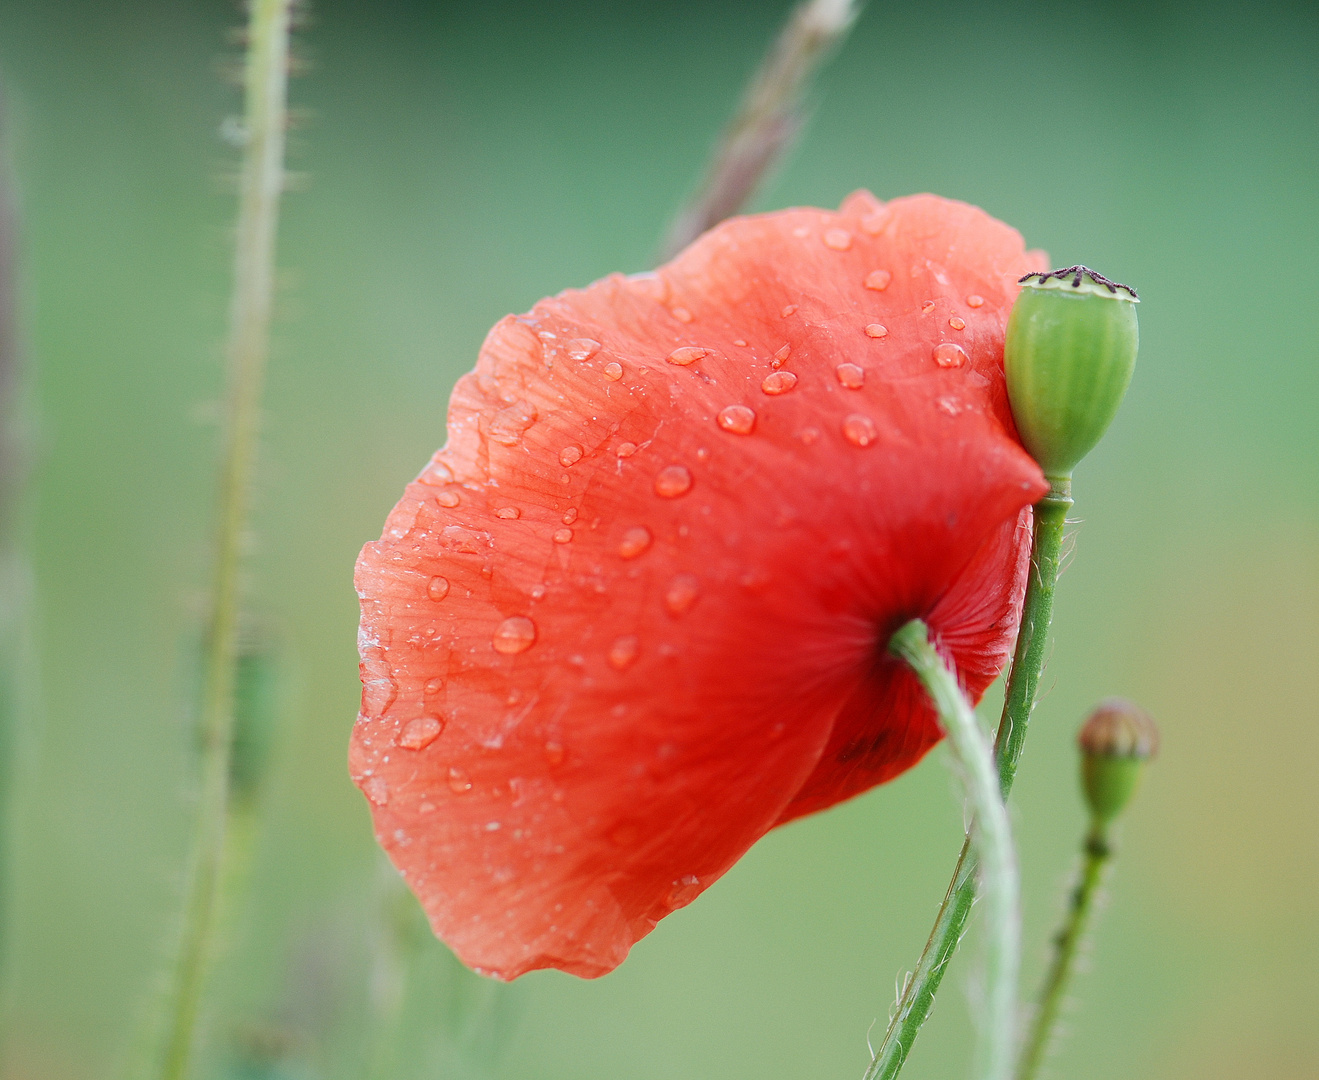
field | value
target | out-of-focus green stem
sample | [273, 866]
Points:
[991, 840]
[261, 181]
[766, 121]
[917, 997]
[1097, 853]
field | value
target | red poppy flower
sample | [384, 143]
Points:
[635, 613]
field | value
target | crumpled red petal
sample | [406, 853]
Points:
[635, 613]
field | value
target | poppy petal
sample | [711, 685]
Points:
[635, 612]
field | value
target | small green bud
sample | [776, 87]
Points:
[1116, 741]
[1070, 349]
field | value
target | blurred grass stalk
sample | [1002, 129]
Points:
[260, 183]
[767, 120]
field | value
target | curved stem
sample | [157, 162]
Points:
[262, 179]
[991, 840]
[1097, 854]
[917, 998]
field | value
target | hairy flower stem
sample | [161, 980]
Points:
[917, 997]
[1097, 853]
[991, 840]
[261, 181]
[766, 121]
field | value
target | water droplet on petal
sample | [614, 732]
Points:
[789, 310]
[740, 343]
[636, 540]
[927, 307]
[975, 301]
[613, 371]
[623, 652]
[878, 280]
[859, 430]
[873, 223]
[687, 355]
[681, 594]
[376, 790]
[851, 375]
[509, 425]
[554, 753]
[956, 323]
[673, 481]
[950, 405]
[838, 239]
[738, 419]
[434, 686]
[448, 498]
[437, 588]
[582, 348]
[949, 355]
[781, 357]
[459, 782]
[626, 449]
[876, 330]
[570, 515]
[514, 635]
[570, 455]
[563, 536]
[778, 382]
[682, 314]
[684, 891]
[808, 435]
[420, 733]
[508, 512]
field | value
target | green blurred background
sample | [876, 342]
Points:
[459, 162]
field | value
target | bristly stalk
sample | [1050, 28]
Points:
[767, 120]
[991, 840]
[917, 998]
[261, 181]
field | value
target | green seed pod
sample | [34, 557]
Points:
[1116, 741]
[1070, 349]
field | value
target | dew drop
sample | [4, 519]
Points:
[554, 753]
[421, 732]
[434, 686]
[510, 424]
[950, 405]
[459, 782]
[681, 594]
[570, 515]
[850, 375]
[437, 588]
[636, 540]
[956, 323]
[738, 419]
[376, 790]
[975, 301]
[448, 498]
[859, 430]
[682, 314]
[673, 481]
[582, 348]
[778, 382]
[623, 652]
[838, 239]
[684, 891]
[878, 280]
[702, 453]
[613, 371]
[570, 455]
[876, 330]
[687, 355]
[626, 449]
[563, 536]
[508, 512]
[739, 343]
[949, 355]
[809, 435]
[781, 357]
[789, 310]
[514, 635]
[927, 307]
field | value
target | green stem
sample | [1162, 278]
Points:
[991, 840]
[917, 997]
[262, 179]
[1097, 854]
[766, 120]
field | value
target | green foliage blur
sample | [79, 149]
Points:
[459, 162]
